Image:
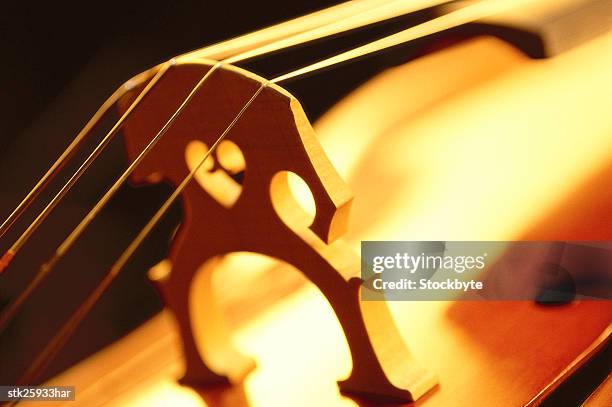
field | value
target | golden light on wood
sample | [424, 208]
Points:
[260, 215]
[472, 152]
[462, 342]
[472, 142]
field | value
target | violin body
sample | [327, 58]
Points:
[483, 353]
[475, 140]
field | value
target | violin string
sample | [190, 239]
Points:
[452, 19]
[375, 13]
[310, 29]
[379, 13]
[23, 238]
[383, 12]
[463, 15]
[55, 345]
[45, 269]
[310, 22]
[66, 155]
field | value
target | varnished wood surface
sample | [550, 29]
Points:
[484, 353]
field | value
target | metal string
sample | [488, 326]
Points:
[18, 244]
[383, 12]
[379, 13]
[48, 266]
[302, 30]
[55, 345]
[61, 160]
[462, 16]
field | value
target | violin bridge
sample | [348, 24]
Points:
[270, 143]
